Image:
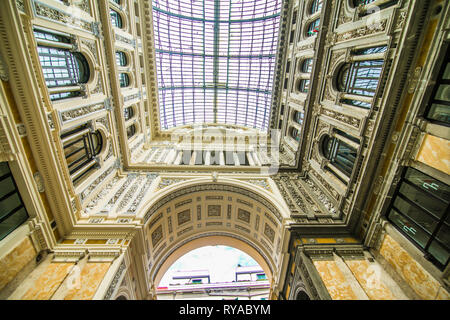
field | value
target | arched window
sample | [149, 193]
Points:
[316, 5]
[116, 19]
[303, 85]
[64, 71]
[81, 146]
[121, 297]
[295, 133]
[339, 153]
[298, 117]
[124, 80]
[121, 58]
[313, 28]
[128, 113]
[306, 65]
[360, 77]
[131, 131]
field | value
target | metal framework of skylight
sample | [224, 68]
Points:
[215, 61]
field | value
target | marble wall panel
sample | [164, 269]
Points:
[435, 152]
[410, 270]
[90, 278]
[14, 261]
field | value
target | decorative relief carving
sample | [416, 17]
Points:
[39, 181]
[169, 224]
[182, 203]
[165, 182]
[243, 215]
[269, 232]
[242, 228]
[157, 236]
[261, 183]
[185, 230]
[20, 5]
[83, 5]
[245, 202]
[155, 220]
[86, 192]
[4, 75]
[119, 192]
[321, 196]
[199, 212]
[115, 281]
[128, 196]
[213, 187]
[91, 205]
[214, 210]
[327, 186]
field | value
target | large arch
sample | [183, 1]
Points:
[195, 212]
[206, 239]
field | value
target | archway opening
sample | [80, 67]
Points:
[214, 272]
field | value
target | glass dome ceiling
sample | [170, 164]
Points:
[215, 60]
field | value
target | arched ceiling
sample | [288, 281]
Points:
[180, 214]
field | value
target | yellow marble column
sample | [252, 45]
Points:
[334, 280]
[370, 279]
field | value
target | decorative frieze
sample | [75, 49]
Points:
[184, 216]
[243, 215]
[86, 192]
[363, 31]
[137, 201]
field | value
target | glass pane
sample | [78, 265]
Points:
[409, 228]
[415, 214]
[429, 184]
[9, 204]
[439, 112]
[6, 186]
[446, 74]
[443, 235]
[423, 199]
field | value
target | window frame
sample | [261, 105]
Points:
[14, 211]
[414, 223]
